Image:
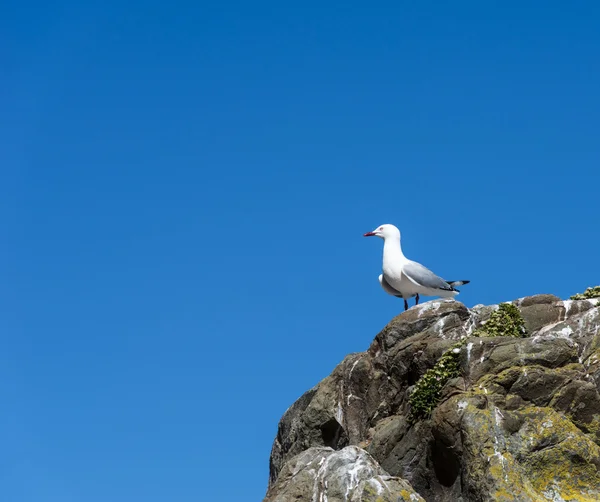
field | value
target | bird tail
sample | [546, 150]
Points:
[457, 283]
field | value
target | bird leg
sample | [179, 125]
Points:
[405, 304]
[417, 300]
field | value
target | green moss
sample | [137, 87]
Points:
[593, 292]
[506, 321]
[426, 394]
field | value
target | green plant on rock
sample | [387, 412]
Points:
[426, 393]
[506, 321]
[593, 292]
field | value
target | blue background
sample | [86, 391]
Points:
[184, 191]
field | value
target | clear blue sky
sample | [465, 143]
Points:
[184, 191]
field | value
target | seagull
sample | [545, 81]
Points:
[405, 278]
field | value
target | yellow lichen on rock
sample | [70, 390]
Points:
[543, 457]
[594, 426]
[560, 456]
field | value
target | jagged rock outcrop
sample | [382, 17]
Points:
[519, 420]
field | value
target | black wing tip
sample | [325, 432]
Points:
[457, 283]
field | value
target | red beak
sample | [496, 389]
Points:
[369, 234]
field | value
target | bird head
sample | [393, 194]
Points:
[386, 231]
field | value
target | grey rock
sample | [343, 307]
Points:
[521, 421]
[348, 475]
[544, 299]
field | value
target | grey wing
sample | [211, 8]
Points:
[422, 276]
[387, 288]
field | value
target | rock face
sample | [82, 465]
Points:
[350, 474]
[518, 421]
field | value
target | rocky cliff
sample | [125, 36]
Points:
[493, 403]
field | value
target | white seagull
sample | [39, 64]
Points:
[405, 278]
